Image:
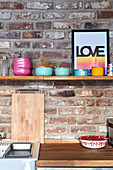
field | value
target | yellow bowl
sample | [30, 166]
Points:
[97, 71]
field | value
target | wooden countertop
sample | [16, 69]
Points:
[74, 155]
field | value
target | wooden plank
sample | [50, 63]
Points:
[74, 155]
[27, 118]
[31, 78]
[55, 78]
[78, 78]
[36, 149]
[75, 163]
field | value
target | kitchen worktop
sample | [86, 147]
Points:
[74, 155]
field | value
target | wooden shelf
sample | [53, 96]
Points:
[55, 78]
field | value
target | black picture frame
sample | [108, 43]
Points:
[91, 43]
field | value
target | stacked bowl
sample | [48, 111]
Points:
[22, 66]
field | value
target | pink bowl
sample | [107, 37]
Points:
[22, 65]
[22, 62]
[21, 71]
[26, 59]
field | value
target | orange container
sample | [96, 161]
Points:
[97, 71]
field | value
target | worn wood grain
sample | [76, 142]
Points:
[55, 78]
[27, 118]
[74, 155]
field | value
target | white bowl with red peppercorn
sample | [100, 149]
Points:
[93, 141]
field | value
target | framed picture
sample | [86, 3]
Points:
[90, 48]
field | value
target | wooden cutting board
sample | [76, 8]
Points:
[27, 118]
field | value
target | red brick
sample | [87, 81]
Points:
[6, 110]
[6, 93]
[10, 54]
[11, 5]
[57, 35]
[105, 14]
[69, 84]
[81, 102]
[43, 44]
[98, 4]
[5, 119]
[55, 102]
[104, 102]
[66, 64]
[72, 111]
[65, 25]
[10, 35]
[43, 25]
[98, 25]
[5, 129]
[109, 93]
[27, 15]
[98, 84]
[32, 54]
[64, 45]
[91, 120]
[53, 15]
[100, 111]
[50, 111]
[22, 44]
[87, 129]
[5, 102]
[56, 54]
[89, 93]
[63, 120]
[56, 130]
[39, 5]
[32, 34]
[20, 26]
[69, 5]
[82, 15]
[64, 93]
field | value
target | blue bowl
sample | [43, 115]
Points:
[61, 71]
[80, 72]
[43, 71]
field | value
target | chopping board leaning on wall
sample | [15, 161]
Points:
[27, 118]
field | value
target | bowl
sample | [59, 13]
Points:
[22, 65]
[43, 71]
[97, 71]
[21, 71]
[80, 72]
[22, 62]
[25, 59]
[62, 71]
[93, 141]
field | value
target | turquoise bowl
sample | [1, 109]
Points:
[43, 71]
[62, 71]
[80, 72]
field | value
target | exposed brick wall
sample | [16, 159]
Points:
[43, 28]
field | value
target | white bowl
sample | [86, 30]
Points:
[93, 143]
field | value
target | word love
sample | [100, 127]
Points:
[86, 51]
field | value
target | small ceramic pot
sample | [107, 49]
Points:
[21, 71]
[80, 72]
[22, 62]
[62, 71]
[97, 71]
[43, 71]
